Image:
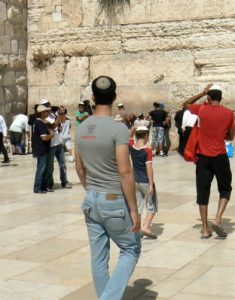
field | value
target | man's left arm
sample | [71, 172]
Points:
[80, 169]
[231, 131]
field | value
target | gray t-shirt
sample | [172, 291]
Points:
[96, 139]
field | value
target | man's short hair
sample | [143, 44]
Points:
[156, 104]
[104, 90]
[215, 95]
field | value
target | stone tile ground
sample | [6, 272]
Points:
[44, 251]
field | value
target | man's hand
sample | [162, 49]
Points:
[150, 190]
[206, 89]
[135, 218]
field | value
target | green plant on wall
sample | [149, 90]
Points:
[111, 6]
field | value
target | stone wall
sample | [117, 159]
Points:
[164, 50]
[13, 51]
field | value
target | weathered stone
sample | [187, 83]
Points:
[10, 94]
[72, 13]
[14, 15]
[22, 93]
[9, 29]
[2, 28]
[62, 95]
[22, 80]
[5, 45]
[57, 17]
[14, 47]
[9, 79]
[1, 95]
[18, 3]
[77, 72]
[17, 62]
[3, 14]
[52, 76]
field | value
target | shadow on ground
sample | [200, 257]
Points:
[138, 289]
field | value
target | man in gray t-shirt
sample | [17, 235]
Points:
[104, 169]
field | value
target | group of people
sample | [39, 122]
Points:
[51, 133]
[114, 164]
[158, 118]
[116, 194]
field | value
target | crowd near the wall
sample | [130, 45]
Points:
[118, 190]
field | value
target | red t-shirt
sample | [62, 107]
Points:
[215, 120]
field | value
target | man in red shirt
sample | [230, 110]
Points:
[216, 125]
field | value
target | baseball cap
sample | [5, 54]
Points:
[42, 108]
[43, 101]
[81, 103]
[215, 87]
[120, 104]
[142, 128]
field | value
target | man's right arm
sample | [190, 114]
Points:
[128, 183]
[193, 99]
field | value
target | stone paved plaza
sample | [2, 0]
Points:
[44, 251]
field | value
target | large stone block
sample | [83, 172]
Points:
[62, 95]
[1, 95]
[3, 11]
[9, 78]
[9, 29]
[72, 12]
[17, 62]
[77, 72]
[5, 45]
[14, 15]
[52, 76]
[2, 28]
[145, 68]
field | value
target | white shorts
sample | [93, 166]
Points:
[67, 143]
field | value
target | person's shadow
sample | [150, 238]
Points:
[139, 288]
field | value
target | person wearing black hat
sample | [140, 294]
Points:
[110, 208]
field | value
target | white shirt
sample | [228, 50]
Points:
[56, 140]
[141, 122]
[65, 129]
[20, 123]
[189, 119]
[3, 126]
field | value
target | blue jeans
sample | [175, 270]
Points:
[58, 152]
[107, 219]
[40, 173]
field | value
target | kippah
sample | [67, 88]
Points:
[103, 83]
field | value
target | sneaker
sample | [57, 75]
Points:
[66, 185]
[49, 190]
[40, 192]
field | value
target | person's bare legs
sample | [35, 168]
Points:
[148, 222]
[205, 227]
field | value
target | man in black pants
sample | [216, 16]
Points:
[3, 135]
[216, 125]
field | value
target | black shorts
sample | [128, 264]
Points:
[207, 168]
[15, 138]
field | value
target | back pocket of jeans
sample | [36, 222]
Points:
[115, 219]
[86, 210]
